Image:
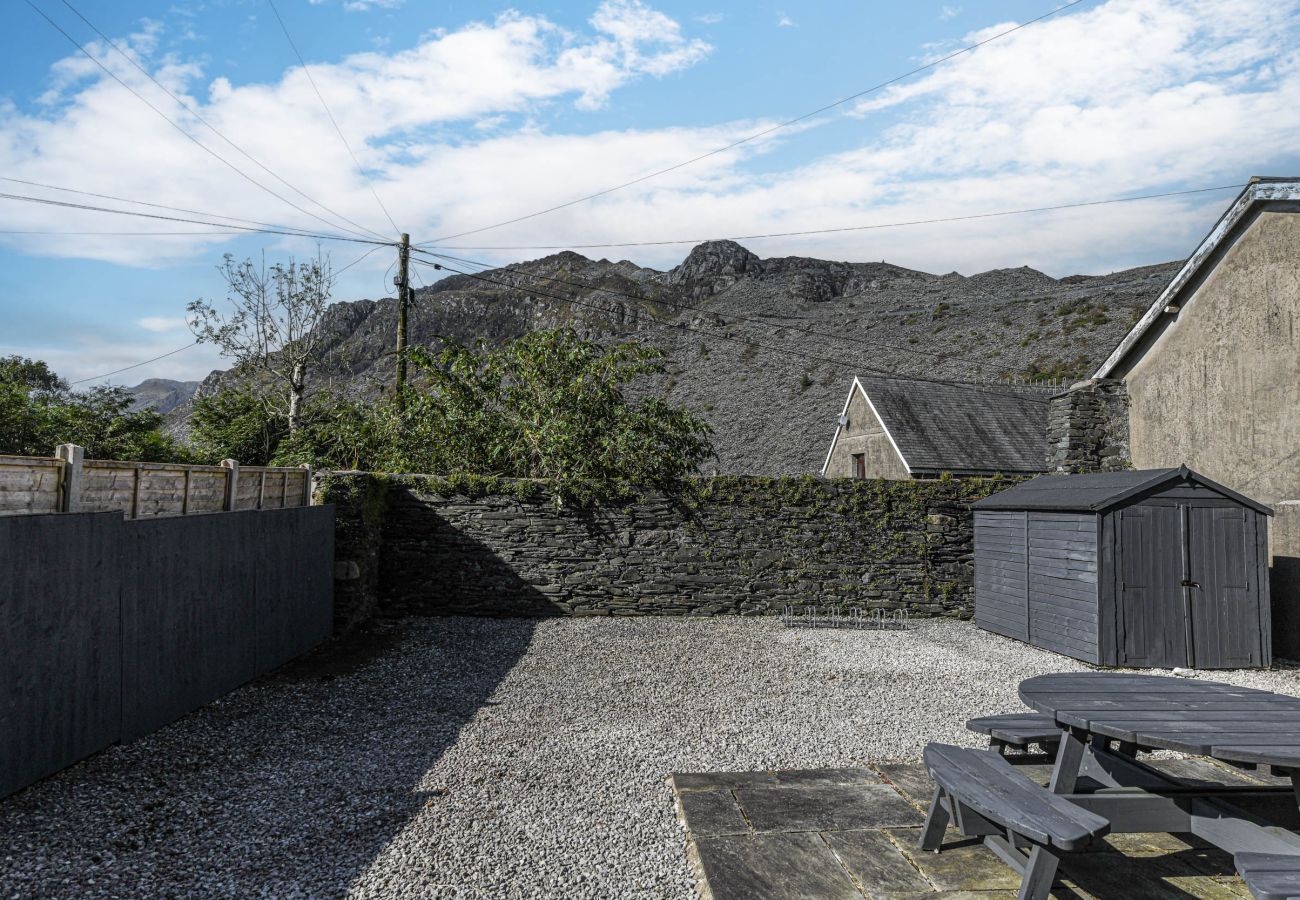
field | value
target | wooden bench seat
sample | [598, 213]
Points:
[984, 795]
[1018, 730]
[1270, 876]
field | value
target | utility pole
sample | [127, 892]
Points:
[403, 280]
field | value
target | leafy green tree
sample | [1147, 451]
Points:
[337, 433]
[236, 423]
[31, 374]
[333, 432]
[548, 405]
[39, 411]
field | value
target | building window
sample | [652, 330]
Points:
[859, 465]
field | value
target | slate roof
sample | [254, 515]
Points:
[962, 428]
[1098, 491]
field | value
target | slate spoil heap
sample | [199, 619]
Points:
[773, 412]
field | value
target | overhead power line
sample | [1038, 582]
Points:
[196, 212]
[811, 332]
[771, 348]
[333, 121]
[179, 128]
[763, 133]
[144, 215]
[125, 233]
[136, 365]
[185, 106]
[845, 228]
[359, 259]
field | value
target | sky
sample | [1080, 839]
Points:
[463, 115]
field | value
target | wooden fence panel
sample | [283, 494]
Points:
[250, 488]
[29, 484]
[108, 487]
[295, 570]
[138, 490]
[110, 628]
[60, 642]
[188, 626]
[161, 492]
[207, 490]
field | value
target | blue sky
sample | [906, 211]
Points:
[465, 114]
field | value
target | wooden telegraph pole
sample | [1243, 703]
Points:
[403, 281]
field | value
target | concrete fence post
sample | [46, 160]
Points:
[72, 457]
[232, 484]
[306, 484]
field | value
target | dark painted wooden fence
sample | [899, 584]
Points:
[110, 629]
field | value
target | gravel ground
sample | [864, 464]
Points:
[496, 758]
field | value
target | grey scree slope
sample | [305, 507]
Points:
[497, 758]
[962, 427]
[772, 412]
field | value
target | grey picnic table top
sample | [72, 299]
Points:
[1206, 718]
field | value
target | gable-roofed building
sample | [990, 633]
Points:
[908, 428]
[1210, 374]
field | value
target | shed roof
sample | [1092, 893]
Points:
[962, 428]
[1260, 193]
[1099, 491]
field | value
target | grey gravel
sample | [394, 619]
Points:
[497, 758]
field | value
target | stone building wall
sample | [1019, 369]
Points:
[729, 545]
[1087, 428]
[864, 433]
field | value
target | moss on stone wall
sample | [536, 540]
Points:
[727, 544]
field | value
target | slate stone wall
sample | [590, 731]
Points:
[359, 500]
[725, 545]
[1087, 428]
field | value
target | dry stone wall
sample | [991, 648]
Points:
[1087, 428]
[723, 545]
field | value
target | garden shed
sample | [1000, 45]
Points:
[1154, 568]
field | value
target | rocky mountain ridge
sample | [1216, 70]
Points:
[764, 349]
[161, 394]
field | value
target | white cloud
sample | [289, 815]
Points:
[87, 354]
[948, 12]
[395, 108]
[784, 21]
[1130, 97]
[367, 5]
[1125, 97]
[712, 18]
[162, 324]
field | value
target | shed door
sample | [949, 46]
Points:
[1225, 612]
[1152, 613]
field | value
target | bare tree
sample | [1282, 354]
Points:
[274, 324]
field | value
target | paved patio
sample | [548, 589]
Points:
[849, 834]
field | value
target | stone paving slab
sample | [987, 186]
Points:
[830, 807]
[852, 833]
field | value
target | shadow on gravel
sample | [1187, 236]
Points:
[289, 787]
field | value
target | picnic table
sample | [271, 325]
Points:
[1105, 718]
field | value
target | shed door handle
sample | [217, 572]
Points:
[1187, 583]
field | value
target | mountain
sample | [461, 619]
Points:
[161, 394]
[765, 349]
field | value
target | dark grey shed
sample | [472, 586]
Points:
[1154, 568]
